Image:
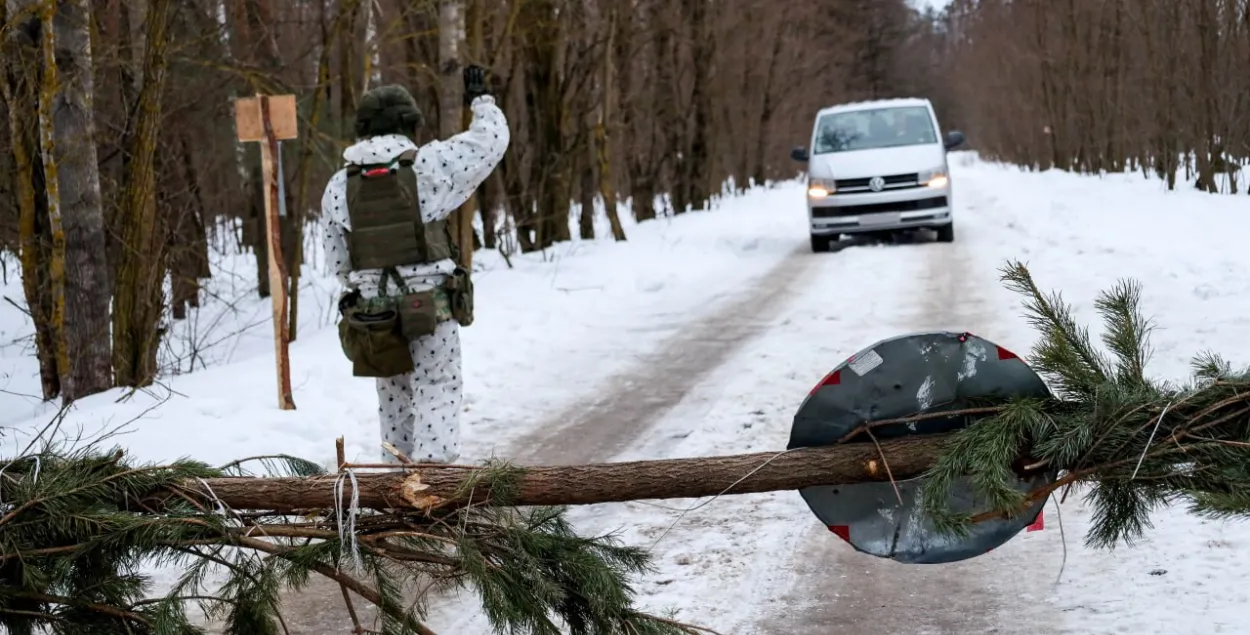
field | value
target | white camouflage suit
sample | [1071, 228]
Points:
[420, 411]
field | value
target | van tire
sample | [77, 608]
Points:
[946, 233]
[820, 244]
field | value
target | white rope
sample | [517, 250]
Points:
[1146, 449]
[221, 507]
[347, 533]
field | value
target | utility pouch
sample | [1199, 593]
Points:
[374, 343]
[418, 314]
[460, 293]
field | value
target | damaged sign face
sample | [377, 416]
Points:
[925, 373]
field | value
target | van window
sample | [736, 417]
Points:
[876, 128]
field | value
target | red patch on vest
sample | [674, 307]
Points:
[416, 304]
[378, 172]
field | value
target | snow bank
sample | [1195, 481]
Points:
[546, 331]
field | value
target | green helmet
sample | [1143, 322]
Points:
[387, 110]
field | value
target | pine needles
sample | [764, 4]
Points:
[78, 528]
[1135, 443]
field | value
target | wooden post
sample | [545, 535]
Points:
[268, 119]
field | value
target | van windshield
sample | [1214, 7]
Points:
[876, 128]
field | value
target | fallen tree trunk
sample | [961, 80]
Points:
[444, 487]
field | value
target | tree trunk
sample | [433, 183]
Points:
[697, 176]
[187, 240]
[472, 27]
[347, 65]
[21, 85]
[490, 200]
[588, 190]
[603, 139]
[451, 25]
[432, 486]
[139, 292]
[79, 265]
[307, 145]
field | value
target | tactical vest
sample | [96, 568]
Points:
[385, 213]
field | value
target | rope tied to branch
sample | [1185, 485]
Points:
[347, 531]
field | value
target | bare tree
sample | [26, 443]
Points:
[78, 265]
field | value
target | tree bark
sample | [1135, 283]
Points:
[602, 138]
[441, 487]
[139, 292]
[451, 25]
[79, 266]
[21, 85]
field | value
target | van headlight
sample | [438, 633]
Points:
[820, 188]
[934, 178]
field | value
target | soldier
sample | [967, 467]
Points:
[386, 238]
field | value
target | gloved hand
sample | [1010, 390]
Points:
[474, 83]
[349, 300]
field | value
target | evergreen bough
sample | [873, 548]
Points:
[77, 528]
[1133, 443]
[78, 525]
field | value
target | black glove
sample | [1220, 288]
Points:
[474, 83]
[348, 300]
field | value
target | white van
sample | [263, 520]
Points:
[878, 166]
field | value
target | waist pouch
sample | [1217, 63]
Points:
[374, 343]
[375, 334]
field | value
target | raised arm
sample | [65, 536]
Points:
[449, 171]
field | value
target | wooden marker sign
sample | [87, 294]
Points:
[268, 119]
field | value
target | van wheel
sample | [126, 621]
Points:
[946, 233]
[820, 244]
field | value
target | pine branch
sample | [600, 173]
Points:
[82, 522]
[1134, 443]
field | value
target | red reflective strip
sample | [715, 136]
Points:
[377, 172]
[1037, 525]
[832, 379]
[1006, 354]
[841, 531]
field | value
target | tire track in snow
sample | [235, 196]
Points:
[633, 401]
[838, 590]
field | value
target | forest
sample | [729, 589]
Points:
[124, 170]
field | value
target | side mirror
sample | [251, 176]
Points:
[954, 139]
[799, 154]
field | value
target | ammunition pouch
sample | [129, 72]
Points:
[459, 288]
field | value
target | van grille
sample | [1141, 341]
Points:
[899, 206]
[893, 182]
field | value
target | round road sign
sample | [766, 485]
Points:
[908, 375]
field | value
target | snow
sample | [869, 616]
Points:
[564, 318]
[557, 328]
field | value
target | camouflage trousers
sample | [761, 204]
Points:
[419, 412]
